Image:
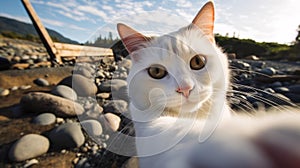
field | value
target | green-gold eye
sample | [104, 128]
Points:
[157, 71]
[198, 62]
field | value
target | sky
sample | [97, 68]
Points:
[84, 20]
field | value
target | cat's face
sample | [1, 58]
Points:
[179, 71]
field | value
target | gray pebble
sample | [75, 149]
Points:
[110, 121]
[30, 163]
[82, 85]
[269, 90]
[43, 102]
[270, 71]
[281, 90]
[92, 127]
[14, 88]
[65, 92]
[25, 87]
[44, 119]
[41, 82]
[29, 146]
[68, 135]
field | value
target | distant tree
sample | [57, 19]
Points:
[110, 36]
[298, 36]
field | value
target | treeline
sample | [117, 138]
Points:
[106, 42]
[269, 51]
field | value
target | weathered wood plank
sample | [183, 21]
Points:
[58, 50]
[66, 50]
[45, 37]
[95, 51]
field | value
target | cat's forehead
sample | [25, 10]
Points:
[171, 47]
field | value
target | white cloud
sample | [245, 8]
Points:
[183, 3]
[61, 24]
[93, 11]
[59, 5]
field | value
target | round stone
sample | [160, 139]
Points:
[41, 82]
[84, 71]
[269, 71]
[27, 147]
[44, 119]
[65, 92]
[14, 88]
[68, 135]
[4, 92]
[30, 163]
[258, 64]
[103, 95]
[25, 87]
[281, 90]
[82, 85]
[111, 121]
[269, 90]
[39, 102]
[92, 127]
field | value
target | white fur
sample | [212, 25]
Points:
[167, 139]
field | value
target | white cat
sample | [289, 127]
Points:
[177, 88]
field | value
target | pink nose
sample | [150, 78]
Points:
[184, 90]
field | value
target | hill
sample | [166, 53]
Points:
[10, 27]
[265, 50]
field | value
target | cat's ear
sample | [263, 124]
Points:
[132, 39]
[205, 20]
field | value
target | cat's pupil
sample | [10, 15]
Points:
[157, 71]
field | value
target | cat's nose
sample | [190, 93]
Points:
[185, 90]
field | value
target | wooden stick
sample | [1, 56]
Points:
[42, 32]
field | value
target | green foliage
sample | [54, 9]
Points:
[10, 34]
[104, 42]
[29, 37]
[245, 47]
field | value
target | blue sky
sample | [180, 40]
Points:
[83, 20]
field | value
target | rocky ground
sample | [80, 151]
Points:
[67, 116]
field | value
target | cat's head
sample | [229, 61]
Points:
[181, 71]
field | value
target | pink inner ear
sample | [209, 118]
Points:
[132, 39]
[205, 20]
[134, 42]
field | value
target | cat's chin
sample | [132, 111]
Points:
[186, 108]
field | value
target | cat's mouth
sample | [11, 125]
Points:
[189, 104]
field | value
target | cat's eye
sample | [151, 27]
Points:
[198, 62]
[157, 71]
